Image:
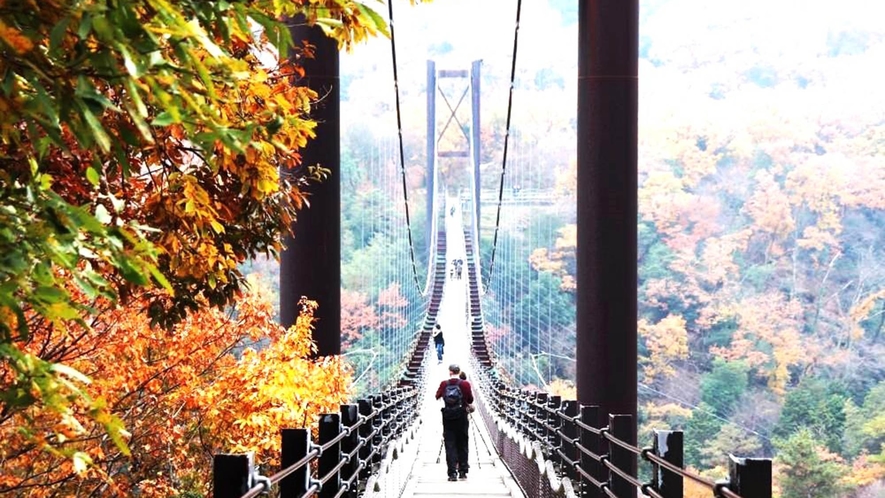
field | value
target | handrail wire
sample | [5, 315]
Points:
[623, 444]
[506, 141]
[648, 490]
[623, 475]
[255, 491]
[279, 476]
[646, 453]
[677, 470]
[317, 450]
[594, 481]
[727, 493]
[402, 160]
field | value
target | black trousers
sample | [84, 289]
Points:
[456, 436]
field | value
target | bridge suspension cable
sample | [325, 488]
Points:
[506, 141]
[402, 161]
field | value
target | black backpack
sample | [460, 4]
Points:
[454, 401]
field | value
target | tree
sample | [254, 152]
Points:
[665, 342]
[357, 316]
[701, 428]
[730, 439]
[182, 395]
[859, 422]
[768, 338]
[142, 143]
[818, 407]
[722, 387]
[808, 469]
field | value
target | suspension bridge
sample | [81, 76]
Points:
[522, 441]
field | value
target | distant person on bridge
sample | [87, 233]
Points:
[439, 342]
[456, 395]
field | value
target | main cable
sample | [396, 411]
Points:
[506, 140]
[402, 160]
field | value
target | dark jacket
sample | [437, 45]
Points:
[466, 390]
[438, 339]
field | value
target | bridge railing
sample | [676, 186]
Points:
[342, 460]
[557, 447]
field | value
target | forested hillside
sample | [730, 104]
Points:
[761, 235]
[762, 215]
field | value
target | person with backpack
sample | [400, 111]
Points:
[456, 395]
[439, 342]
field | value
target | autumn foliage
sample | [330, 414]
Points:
[217, 382]
[150, 148]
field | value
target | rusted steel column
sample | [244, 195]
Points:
[607, 206]
[311, 263]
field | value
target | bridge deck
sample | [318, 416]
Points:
[488, 476]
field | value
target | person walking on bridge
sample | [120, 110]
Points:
[456, 395]
[439, 342]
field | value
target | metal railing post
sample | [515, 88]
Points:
[295, 443]
[503, 395]
[538, 417]
[590, 442]
[399, 411]
[568, 440]
[231, 475]
[349, 418]
[330, 428]
[620, 426]
[667, 445]
[377, 422]
[749, 477]
[552, 438]
[525, 413]
[365, 408]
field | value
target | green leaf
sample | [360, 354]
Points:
[276, 33]
[205, 77]
[85, 26]
[46, 106]
[165, 118]
[380, 22]
[160, 278]
[98, 132]
[122, 158]
[131, 272]
[103, 29]
[92, 176]
[48, 294]
[95, 100]
[87, 288]
[56, 36]
[8, 81]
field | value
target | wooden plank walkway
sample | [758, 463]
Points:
[488, 475]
